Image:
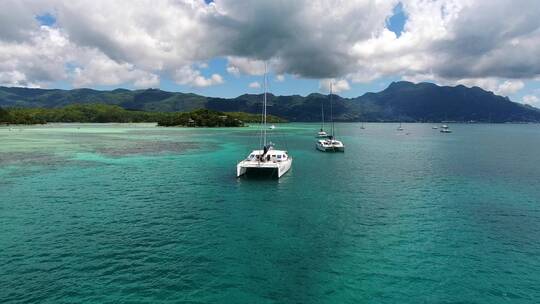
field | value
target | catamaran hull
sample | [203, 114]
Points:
[263, 169]
[330, 148]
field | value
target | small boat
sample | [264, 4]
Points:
[362, 126]
[434, 127]
[322, 133]
[330, 144]
[400, 128]
[445, 129]
[267, 161]
[272, 127]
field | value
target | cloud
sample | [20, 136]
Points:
[280, 78]
[337, 85]
[188, 76]
[101, 70]
[15, 79]
[39, 59]
[233, 70]
[509, 87]
[239, 65]
[531, 100]
[453, 41]
[254, 85]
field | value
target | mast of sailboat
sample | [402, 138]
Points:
[322, 115]
[265, 89]
[331, 110]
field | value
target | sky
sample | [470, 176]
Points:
[219, 48]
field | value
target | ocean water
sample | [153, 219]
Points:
[132, 213]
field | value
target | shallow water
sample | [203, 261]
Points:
[119, 213]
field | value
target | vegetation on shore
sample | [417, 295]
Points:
[102, 113]
[210, 118]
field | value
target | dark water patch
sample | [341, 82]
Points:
[128, 148]
[29, 158]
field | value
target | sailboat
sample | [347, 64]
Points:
[267, 161]
[362, 126]
[445, 129]
[322, 133]
[400, 128]
[330, 144]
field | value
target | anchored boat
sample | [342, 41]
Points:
[266, 161]
[330, 144]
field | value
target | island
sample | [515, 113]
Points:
[103, 113]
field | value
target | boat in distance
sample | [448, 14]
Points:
[330, 145]
[445, 129]
[322, 134]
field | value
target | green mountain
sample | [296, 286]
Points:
[401, 101]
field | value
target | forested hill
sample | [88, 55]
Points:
[401, 101]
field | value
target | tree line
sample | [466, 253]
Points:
[103, 113]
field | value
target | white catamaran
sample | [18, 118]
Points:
[330, 144]
[445, 129]
[266, 162]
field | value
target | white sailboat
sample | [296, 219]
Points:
[267, 161]
[322, 133]
[400, 128]
[445, 129]
[330, 144]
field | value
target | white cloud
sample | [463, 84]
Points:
[491, 42]
[280, 78]
[188, 76]
[15, 79]
[39, 59]
[509, 87]
[254, 85]
[233, 70]
[531, 100]
[239, 65]
[101, 70]
[338, 86]
[146, 81]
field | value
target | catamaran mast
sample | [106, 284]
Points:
[322, 115]
[264, 105]
[331, 110]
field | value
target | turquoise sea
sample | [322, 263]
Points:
[133, 213]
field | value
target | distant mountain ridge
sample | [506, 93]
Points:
[400, 101]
